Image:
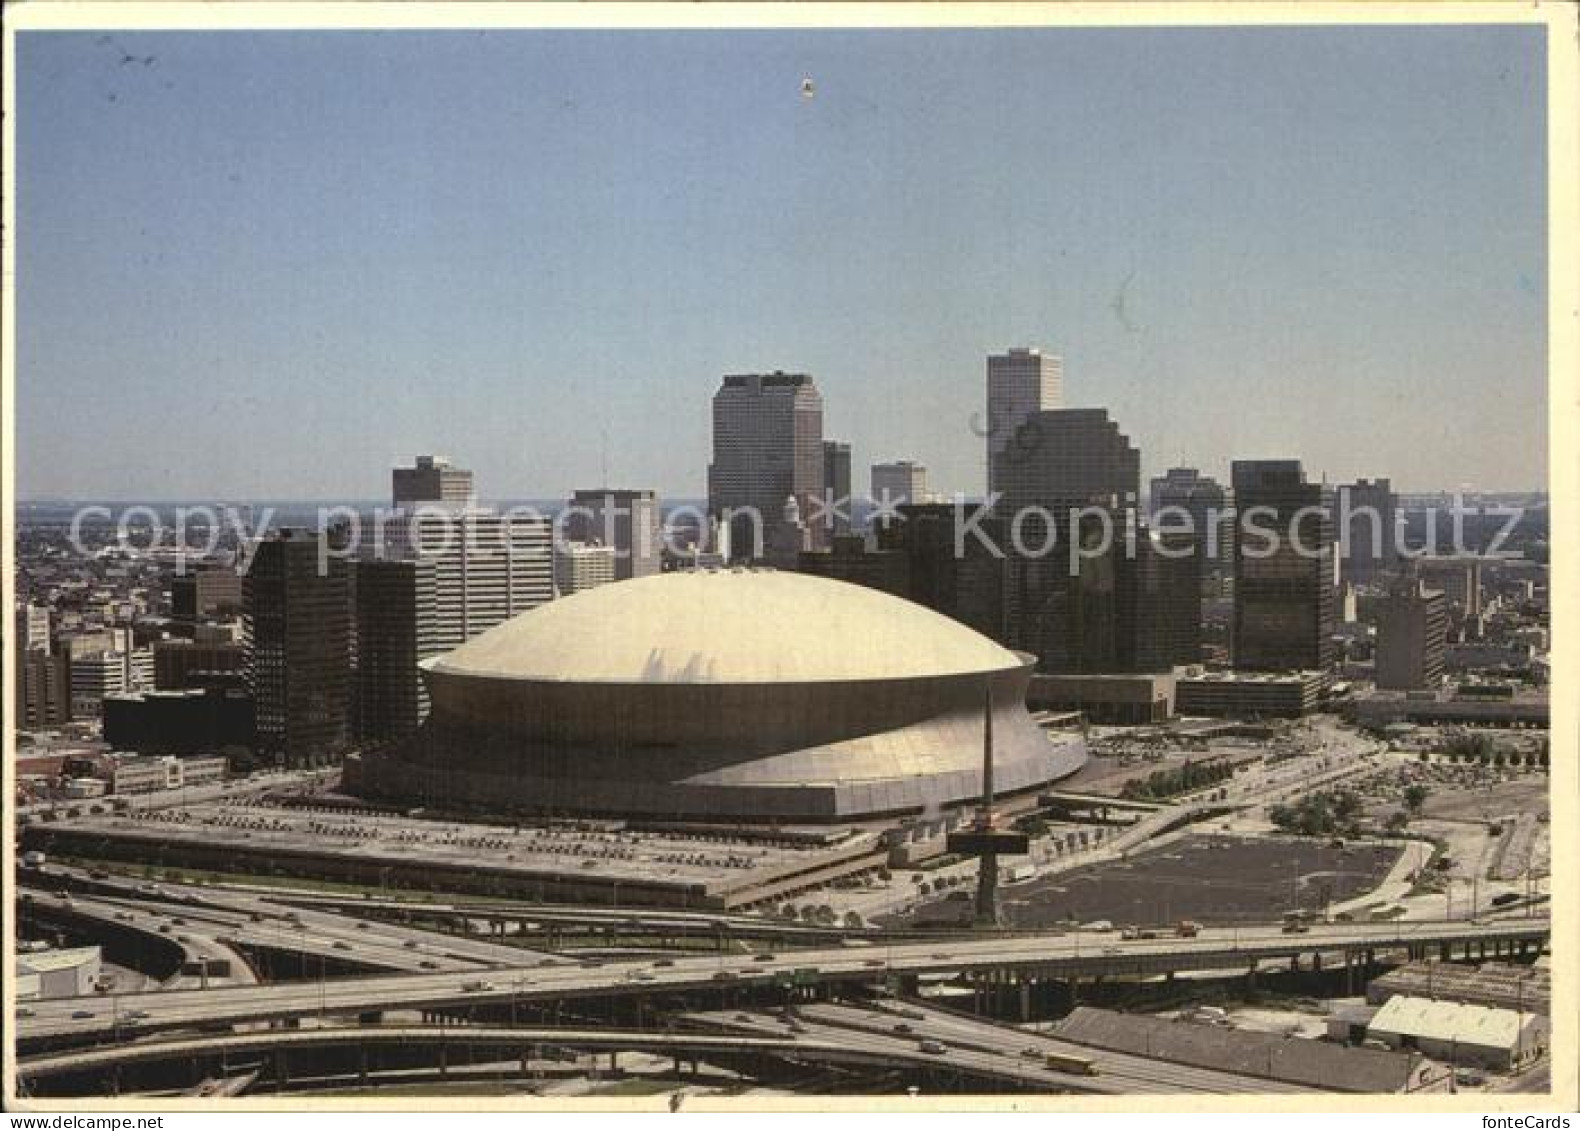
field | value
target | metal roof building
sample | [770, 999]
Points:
[1296, 1060]
[1457, 1033]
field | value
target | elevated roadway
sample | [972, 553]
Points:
[1061, 956]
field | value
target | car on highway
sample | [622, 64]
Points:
[363, 924]
[875, 962]
[1296, 929]
[902, 1029]
[479, 986]
[410, 944]
[24, 1011]
[428, 964]
[82, 1015]
[763, 958]
[1113, 950]
[342, 944]
[664, 962]
[726, 976]
[932, 1047]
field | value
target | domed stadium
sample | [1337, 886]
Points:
[745, 694]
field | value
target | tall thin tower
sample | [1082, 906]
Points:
[985, 839]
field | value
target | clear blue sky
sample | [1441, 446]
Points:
[273, 265]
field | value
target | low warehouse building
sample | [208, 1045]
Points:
[57, 973]
[1272, 1056]
[1457, 1033]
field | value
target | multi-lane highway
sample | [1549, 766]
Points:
[225, 918]
[995, 1050]
[831, 1045]
[1049, 955]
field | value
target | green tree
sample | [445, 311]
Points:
[1415, 796]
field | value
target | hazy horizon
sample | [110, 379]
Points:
[276, 265]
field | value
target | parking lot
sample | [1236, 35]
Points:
[1208, 879]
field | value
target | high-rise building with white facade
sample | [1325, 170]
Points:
[767, 448]
[580, 566]
[93, 677]
[488, 565]
[1020, 383]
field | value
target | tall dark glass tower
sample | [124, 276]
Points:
[1283, 568]
[296, 617]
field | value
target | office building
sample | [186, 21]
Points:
[1412, 633]
[181, 665]
[836, 485]
[1457, 577]
[1250, 695]
[1201, 506]
[432, 482]
[767, 448]
[43, 684]
[851, 560]
[897, 484]
[209, 590]
[967, 586]
[1159, 606]
[488, 566]
[1069, 480]
[579, 566]
[33, 628]
[629, 521]
[297, 624]
[1366, 521]
[1283, 568]
[95, 675]
[179, 722]
[1020, 384]
[397, 628]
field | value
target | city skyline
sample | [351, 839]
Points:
[557, 255]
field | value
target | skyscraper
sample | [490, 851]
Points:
[297, 624]
[628, 521]
[1412, 634]
[1020, 383]
[836, 484]
[1209, 507]
[33, 629]
[1067, 612]
[431, 481]
[488, 566]
[767, 448]
[898, 484]
[397, 626]
[1365, 517]
[43, 689]
[1283, 568]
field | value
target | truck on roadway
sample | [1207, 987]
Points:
[1071, 1065]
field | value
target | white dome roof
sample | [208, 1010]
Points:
[726, 627]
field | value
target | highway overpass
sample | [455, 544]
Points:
[1074, 955]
